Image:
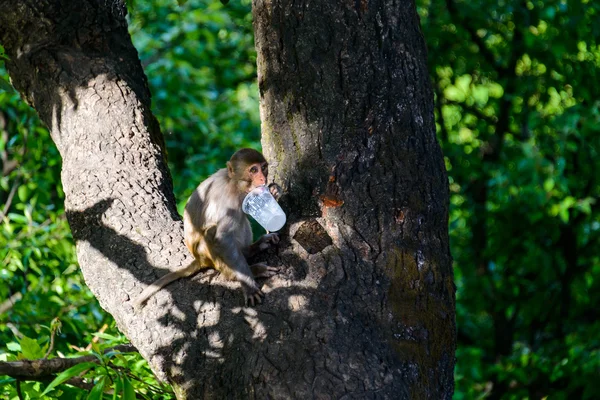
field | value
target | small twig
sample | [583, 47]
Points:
[14, 330]
[10, 197]
[54, 327]
[19, 393]
[80, 383]
[10, 302]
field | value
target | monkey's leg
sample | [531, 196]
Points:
[252, 293]
[262, 270]
[230, 261]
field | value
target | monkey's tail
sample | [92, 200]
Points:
[189, 270]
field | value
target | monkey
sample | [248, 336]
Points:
[217, 232]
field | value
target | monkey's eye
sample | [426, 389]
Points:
[253, 170]
[264, 167]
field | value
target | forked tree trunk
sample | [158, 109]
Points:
[364, 304]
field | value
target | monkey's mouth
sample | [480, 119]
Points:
[251, 188]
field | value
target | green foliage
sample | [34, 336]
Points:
[75, 370]
[125, 374]
[201, 66]
[518, 117]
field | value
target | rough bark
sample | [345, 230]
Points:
[364, 304]
[347, 112]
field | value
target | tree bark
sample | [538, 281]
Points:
[364, 304]
[347, 113]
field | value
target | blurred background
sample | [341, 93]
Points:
[518, 117]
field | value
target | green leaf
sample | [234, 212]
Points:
[6, 381]
[12, 346]
[463, 83]
[128, 391]
[23, 193]
[110, 354]
[548, 184]
[30, 348]
[17, 218]
[481, 94]
[68, 374]
[106, 336]
[117, 389]
[496, 90]
[5, 85]
[564, 215]
[454, 94]
[96, 392]
[568, 202]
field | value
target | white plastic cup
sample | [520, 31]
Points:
[263, 207]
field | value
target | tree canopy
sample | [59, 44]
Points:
[517, 113]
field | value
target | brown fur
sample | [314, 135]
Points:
[218, 233]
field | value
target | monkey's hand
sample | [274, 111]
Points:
[275, 190]
[252, 294]
[267, 241]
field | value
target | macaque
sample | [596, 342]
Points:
[218, 233]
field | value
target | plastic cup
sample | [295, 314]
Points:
[263, 207]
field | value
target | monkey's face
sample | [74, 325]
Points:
[256, 175]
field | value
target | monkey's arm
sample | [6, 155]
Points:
[269, 239]
[160, 283]
[229, 259]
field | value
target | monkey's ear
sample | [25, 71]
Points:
[229, 169]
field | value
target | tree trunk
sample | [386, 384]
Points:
[364, 304]
[348, 123]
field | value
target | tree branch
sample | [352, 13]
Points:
[25, 369]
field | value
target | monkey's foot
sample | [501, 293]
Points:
[262, 270]
[252, 296]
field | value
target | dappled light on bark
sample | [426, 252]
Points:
[363, 304]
